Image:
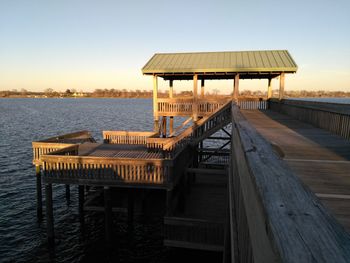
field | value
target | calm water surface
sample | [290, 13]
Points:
[22, 237]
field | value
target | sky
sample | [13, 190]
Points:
[103, 44]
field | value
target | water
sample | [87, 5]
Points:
[22, 237]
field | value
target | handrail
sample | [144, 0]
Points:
[98, 170]
[72, 135]
[58, 142]
[337, 121]
[200, 129]
[127, 137]
[252, 103]
[184, 106]
[274, 217]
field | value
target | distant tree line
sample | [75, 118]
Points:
[124, 93]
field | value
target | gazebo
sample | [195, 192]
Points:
[201, 66]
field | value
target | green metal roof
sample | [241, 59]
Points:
[255, 62]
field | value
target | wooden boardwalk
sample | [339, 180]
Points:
[320, 159]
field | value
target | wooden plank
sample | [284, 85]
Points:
[321, 160]
[280, 210]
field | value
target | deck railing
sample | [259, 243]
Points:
[127, 137]
[184, 106]
[252, 103]
[156, 144]
[59, 142]
[170, 147]
[65, 165]
[332, 119]
[274, 217]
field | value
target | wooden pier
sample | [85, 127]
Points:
[275, 190]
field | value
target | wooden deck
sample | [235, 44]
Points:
[320, 159]
[137, 151]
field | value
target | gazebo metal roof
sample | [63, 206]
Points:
[221, 65]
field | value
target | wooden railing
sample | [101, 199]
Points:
[184, 106]
[42, 148]
[170, 147]
[178, 106]
[74, 137]
[202, 129]
[274, 217]
[201, 234]
[156, 144]
[64, 166]
[59, 142]
[127, 137]
[252, 103]
[333, 119]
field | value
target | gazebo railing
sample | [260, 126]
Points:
[184, 106]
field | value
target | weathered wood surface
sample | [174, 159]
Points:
[286, 221]
[127, 137]
[320, 159]
[117, 150]
[96, 168]
[329, 116]
[184, 106]
[55, 143]
[252, 103]
[200, 130]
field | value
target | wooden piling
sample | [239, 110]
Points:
[108, 213]
[39, 199]
[49, 215]
[81, 202]
[67, 193]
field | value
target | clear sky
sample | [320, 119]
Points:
[84, 44]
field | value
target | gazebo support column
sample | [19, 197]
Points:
[236, 87]
[164, 127]
[171, 90]
[269, 89]
[281, 93]
[195, 95]
[171, 118]
[155, 103]
[202, 88]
